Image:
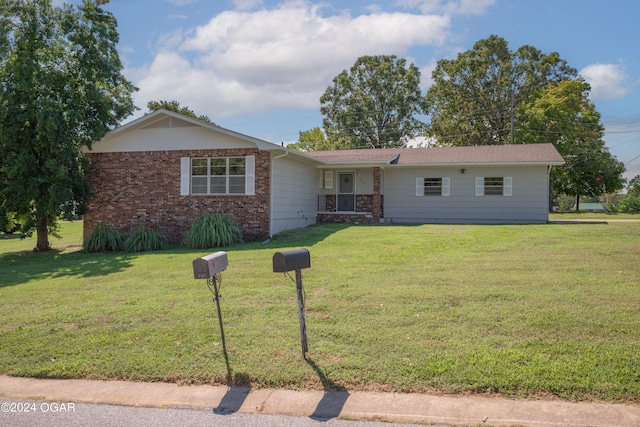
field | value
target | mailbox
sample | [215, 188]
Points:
[296, 259]
[210, 265]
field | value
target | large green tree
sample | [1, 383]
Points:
[563, 115]
[61, 89]
[374, 105]
[314, 140]
[490, 95]
[474, 98]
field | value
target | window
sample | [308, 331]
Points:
[433, 186]
[493, 186]
[218, 175]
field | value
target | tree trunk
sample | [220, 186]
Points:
[577, 203]
[42, 232]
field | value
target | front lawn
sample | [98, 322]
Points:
[520, 310]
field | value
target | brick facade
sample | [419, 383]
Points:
[135, 188]
[364, 203]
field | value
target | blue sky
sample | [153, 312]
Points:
[259, 67]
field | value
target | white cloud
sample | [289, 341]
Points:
[243, 62]
[608, 81]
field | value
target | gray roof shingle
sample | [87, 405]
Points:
[487, 154]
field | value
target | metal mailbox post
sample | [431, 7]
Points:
[209, 267]
[284, 262]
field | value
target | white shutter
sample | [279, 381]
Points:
[446, 186]
[320, 179]
[479, 186]
[250, 176]
[185, 175]
[328, 179]
[419, 186]
[508, 186]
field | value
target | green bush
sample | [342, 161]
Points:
[103, 238]
[143, 240]
[629, 204]
[212, 231]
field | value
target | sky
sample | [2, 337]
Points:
[259, 67]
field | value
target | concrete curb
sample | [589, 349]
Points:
[466, 410]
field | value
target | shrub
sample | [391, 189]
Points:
[103, 238]
[629, 204]
[213, 230]
[143, 239]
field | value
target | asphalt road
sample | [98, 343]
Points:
[33, 413]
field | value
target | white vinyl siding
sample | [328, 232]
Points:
[528, 203]
[294, 195]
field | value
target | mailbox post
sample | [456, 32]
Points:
[209, 267]
[284, 262]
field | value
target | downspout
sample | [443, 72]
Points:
[271, 194]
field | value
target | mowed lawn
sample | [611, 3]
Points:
[519, 310]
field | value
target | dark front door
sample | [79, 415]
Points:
[346, 193]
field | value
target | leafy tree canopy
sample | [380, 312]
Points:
[61, 89]
[374, 104]
[314, 140]
[491, 95]
[634, 186]
[177, 108]
[473, 97]
[563, 115]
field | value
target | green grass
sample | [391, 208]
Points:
[520, 310]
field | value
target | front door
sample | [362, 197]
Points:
[346, 192]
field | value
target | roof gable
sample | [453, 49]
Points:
[168, 130]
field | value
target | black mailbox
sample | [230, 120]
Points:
[296, 259]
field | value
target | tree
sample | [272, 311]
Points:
[313, 140]
[474, 98]
[177, 108]
[61, 89]
[374, 105]
[630, 202]
[490, 95]
[563, 115]
[634, 186]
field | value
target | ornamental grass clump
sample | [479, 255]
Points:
[144, 240]
[212, 231]
[103, 238]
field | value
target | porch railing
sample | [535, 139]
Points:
[346, 203]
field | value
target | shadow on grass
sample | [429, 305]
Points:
[333, 399]
[21, 267]
[306, 236]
